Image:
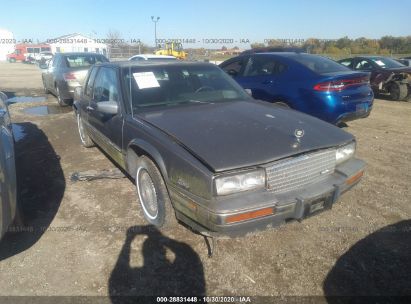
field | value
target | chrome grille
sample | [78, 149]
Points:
[296, 172]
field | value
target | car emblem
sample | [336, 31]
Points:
[298, 133]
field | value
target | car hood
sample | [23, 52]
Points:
[232, 135]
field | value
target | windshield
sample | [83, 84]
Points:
[319, 64]
[387, 63]
[170, 85]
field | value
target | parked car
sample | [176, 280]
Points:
[152, 57]
[273, 49]
[42, 57]
[66, 71]
[387, 74]
[202, 150]
[8, 200]
[308, 83]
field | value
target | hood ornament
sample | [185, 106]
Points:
[298, 134]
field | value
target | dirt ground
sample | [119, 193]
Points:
[85, 238]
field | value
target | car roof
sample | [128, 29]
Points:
[77, 53]
[128, 64]
[148, 56]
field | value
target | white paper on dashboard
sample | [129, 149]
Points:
[146, 80]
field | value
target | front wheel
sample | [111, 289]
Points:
[153, 196]
[398, 91]
[84, 137]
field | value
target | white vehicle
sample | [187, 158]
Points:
[45, 55]
[152, 57]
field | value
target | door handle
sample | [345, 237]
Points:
[89, 109]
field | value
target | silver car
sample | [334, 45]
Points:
[65, 72]
[7, 169]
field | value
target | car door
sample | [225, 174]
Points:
[106, 129]
[50, 73]
[263, 76]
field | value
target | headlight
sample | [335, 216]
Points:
[240, 182]
[344, 153]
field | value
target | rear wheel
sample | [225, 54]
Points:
[153, 196]
[85, 139]
[398, 91]
[62, 102]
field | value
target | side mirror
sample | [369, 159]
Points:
[107, 107]
[43, 66]
[249, 92]
[232, 73]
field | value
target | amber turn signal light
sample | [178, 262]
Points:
[249, 215]
[354, 178]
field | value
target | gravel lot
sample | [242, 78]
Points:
[85, 238]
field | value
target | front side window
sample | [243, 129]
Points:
[172, 85]
[263, 66]
[105, 86]
[363, 65]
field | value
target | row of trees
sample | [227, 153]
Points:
[385, 45]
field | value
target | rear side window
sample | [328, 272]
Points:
[83, 60]
[319, 64]
[346, 62]
[234, 67]
[263, 66]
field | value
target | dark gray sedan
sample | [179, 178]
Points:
[7, 169]
[203, 151]
[66, 71]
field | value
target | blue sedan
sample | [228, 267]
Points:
[308, 83]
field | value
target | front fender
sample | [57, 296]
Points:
[138, 147]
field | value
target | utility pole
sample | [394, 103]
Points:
[155, 20]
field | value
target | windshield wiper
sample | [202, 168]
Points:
[186, 101]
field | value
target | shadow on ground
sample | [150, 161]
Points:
[40, 189]
[378, 265]
[168, 267]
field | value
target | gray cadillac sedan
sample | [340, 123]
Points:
[66, 71]
[201, 150]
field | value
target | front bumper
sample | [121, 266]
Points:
[214, 219]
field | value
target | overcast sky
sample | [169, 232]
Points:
[189, 19]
